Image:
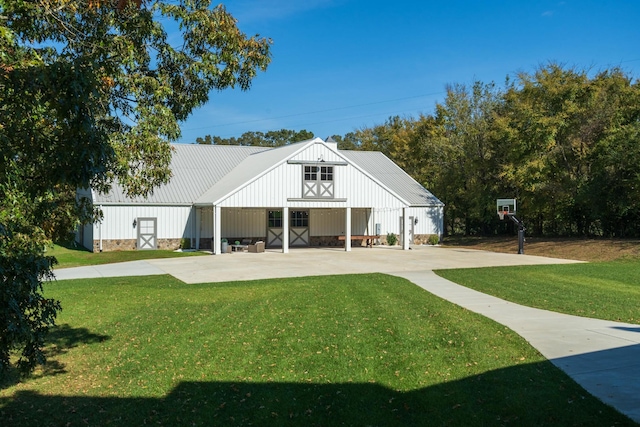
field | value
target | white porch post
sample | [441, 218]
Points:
[405, 230]
[197, 218]
[217, 230]
[285, 230]
[347, 230]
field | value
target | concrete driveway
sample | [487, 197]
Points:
[318, 262]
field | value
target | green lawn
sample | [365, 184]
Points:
[338, 350]
[70, 256]
[602, 290]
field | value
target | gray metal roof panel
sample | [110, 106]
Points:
[393, 177]
[195, 169]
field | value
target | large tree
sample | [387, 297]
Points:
[468, 180]
[92, 91]
[571, 149]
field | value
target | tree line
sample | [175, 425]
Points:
[563, 141]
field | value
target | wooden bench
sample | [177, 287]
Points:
[369, 239]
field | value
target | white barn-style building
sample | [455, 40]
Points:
[304, 194]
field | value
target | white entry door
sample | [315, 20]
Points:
[147, 233]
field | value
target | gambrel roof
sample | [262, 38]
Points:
[203, 174]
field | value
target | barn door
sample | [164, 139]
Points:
[147, 233]
[274, 228]
[299, 228]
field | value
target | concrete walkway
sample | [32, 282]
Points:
[602, 356]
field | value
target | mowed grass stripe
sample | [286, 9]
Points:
[603, 290]
[70, 256]
[337, 350]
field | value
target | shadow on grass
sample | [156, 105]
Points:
[73, 246]
[64, 337]
[60, 340]
[528, 394]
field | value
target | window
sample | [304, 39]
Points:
[326, 173]
[275, 219]
[310, 173]
[299, 218]
[318, 182]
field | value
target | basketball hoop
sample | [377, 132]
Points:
[502, 214]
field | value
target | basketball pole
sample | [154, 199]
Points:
[521, 230]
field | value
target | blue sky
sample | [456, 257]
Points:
[341, 65]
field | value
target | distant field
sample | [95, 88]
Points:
[332, 350]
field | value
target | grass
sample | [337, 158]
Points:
[70, 256]
[603, 290]
[337, 350]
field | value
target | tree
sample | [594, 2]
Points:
[571, 140]
[468, 181]
[275, 138]
[93, 91]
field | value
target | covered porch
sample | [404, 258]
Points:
[287, 227]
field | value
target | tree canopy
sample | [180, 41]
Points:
[93, 91]
[565, 142]
[276, 138]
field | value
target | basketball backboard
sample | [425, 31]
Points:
[505, 207]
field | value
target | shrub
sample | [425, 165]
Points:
[392, 239]
[185, 244]
[433, 239]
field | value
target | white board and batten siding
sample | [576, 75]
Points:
[429, 219]
[318, 153]
[283, 186]
[174, 222]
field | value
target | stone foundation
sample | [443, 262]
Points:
[422, 239]
[333, 241]
[131, 245]
[115, 245]
[205, 242]
[418, 239]
[325, 241]
[233, 240]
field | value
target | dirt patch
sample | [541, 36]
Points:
[565, 248]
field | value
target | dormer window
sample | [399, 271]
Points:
[318, 182]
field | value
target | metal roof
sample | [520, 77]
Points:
[250, 169]
[383, 169]
[195, 169]
[205, 174]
